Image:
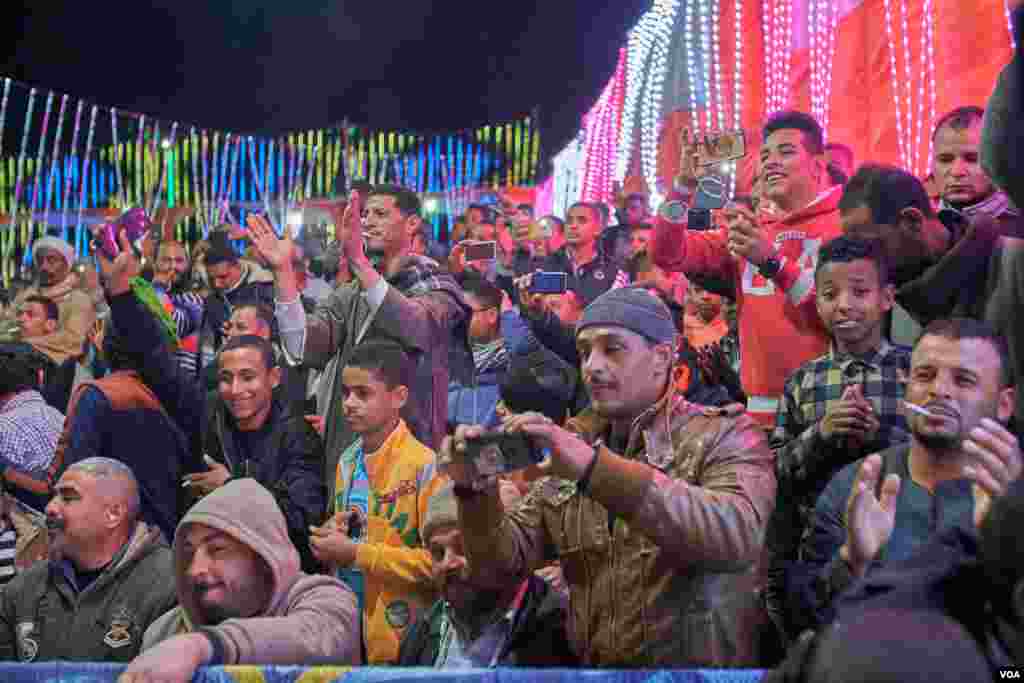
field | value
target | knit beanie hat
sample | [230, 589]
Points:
[633, 308]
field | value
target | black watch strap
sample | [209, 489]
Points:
[771, 267]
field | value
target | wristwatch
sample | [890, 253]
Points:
[673, 211]
[771, 267]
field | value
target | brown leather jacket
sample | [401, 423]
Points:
[660, 555]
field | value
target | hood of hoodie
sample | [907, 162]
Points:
[826, 202]
[247, 512]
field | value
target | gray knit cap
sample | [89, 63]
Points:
[633, 308]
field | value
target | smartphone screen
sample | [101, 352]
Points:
[480, 251]
[549, 283]
[698, 219]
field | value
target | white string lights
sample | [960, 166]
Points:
[910, 128]
[779, 48]
[1009, 24]
[647, 58]
[822, 32]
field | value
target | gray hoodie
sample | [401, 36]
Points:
[309, 619]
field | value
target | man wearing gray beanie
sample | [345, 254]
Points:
[655, 509]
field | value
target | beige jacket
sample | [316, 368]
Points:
[77, 314]
[660, 555]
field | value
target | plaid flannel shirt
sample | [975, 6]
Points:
[804, 460]
[29, 430]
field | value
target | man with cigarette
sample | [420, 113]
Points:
[960, 395]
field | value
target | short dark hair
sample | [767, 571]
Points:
[599, 210]
[265, 314]
[386, 359]
[19, 368]
[960, 118]
[814, 138]
[49, 307]
[528, 208]
[640, 262]
[1002, 554]
[363, 187]
[885, 190]
[407, 201]
[479, 287]
[251, 341]
[635, 196]
[488, 216]
[971, 328]
[845, 249]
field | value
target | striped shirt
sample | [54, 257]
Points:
[8, 546]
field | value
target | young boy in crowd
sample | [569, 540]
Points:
[384, 481]
[839, 407]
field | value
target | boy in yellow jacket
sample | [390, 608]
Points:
[384, 481]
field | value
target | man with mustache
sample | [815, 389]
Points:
[109, 575]
[242, 598]
[655, 508]
[53, 259]
[475, 623]
[881, 509]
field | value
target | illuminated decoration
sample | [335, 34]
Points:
[906, 91]
[778, 34]
[737, 80]
[63, 186]
[1009, 24]
[567, 165]
[824, 14]
[663, 18]
[600, 134]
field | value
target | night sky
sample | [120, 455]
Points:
[269, 66]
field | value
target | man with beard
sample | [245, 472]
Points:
[476, 624]
[242, 598]
[108, 577]
[655, 508]
[395, 295]
[173, 278]
[53, 259]
[881, 509]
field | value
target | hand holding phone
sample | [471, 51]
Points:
[549, 283]
[480, 251]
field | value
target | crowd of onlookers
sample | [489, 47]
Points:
[609, 439]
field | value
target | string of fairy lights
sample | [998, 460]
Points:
[609, 139]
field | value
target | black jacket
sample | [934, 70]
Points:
[538, 637]
[286, 456]
[250, 290]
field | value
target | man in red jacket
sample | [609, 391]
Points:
[769, 257]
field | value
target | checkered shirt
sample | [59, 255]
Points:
[804, 461]
[29, 429]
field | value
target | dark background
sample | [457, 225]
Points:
[270, 66]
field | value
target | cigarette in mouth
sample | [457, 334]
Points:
[918, 409]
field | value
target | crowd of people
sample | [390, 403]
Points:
[787, 440]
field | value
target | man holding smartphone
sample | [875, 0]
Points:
[769, 258]
[655, 509]
[591, 272]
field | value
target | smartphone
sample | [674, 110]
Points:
[698, 219]
[719, 148]
[549, 283]
[711, 192]
[497, 452]
[135, 226]
[480, 251]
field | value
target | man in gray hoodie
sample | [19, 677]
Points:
[242, 598]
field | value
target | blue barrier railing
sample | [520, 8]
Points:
[76, 672]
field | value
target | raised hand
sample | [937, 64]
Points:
[996, 463]
[118, 273]
[870, 518]
[275, 251]
[352, 230]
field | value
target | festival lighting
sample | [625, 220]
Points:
[911, 124]
[664, 15]
[600, 127]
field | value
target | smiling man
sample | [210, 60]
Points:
[881, 509]
[394, 295]
[107, 579]
[242, 598]
[655, 509]
[768, 257]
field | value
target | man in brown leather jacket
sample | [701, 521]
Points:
[656, 508]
